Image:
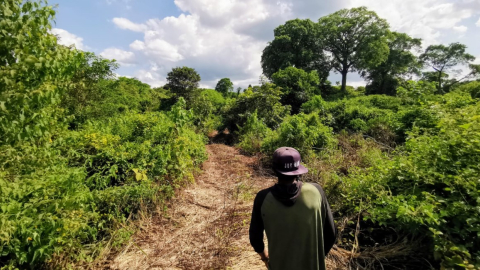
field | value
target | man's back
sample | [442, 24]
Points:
[295, 216]
[295, 233]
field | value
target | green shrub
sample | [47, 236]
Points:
[264, 99]
[431, 189]
[360, 115]
[206, 108]
[65, 198]
[471, 87]
[304, 132]
[316, 103]
[113, 97]
[251, 135]
[416, 92]
[297, 86]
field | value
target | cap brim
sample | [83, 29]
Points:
[301, 170]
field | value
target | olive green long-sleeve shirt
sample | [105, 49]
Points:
[299, 234]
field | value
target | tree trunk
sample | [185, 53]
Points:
[440, 82]
[344, 81]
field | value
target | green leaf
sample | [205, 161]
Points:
[2, 106]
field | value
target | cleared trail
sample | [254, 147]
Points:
[206, 225]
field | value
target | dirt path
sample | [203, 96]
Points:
[206, 226]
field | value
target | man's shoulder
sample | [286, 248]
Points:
[264, 192]
[312, 189]
[261, 195]
[314, 186]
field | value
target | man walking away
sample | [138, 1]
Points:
[296, 218]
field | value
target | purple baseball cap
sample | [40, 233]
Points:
[286, 161]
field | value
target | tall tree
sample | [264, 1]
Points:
[383, 79]
[356, 38]
[296, 44]
[297, 86]
[443, 58]
[224, 86]
[183, 82]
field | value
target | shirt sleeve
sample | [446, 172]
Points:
[329, 229]
[256, 224]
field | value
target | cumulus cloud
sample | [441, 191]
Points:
[422, 19]
[124, 58]
[478, 23]
[477, 60]
[213, 52]
[217, 38]
[460, 29]
[66, 38]
[151, 76]
[128, 25]
[226, 38]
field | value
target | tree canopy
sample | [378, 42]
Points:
[183, 82]
[442, 58]
[296, 44]
[383, 79]
[224, 86]
[356, 39]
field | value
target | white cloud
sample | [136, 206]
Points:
[151, 77]
[477, 60]
[217, 38]
[124, 58]
[478, 23]
[213, 52]
[357, 83]
[460, 29]
[66, 38]
[128, 25]
[422, 19]
[226, 38]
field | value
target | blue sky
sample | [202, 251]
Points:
[225, 38]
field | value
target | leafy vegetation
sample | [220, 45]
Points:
[357, 39]
[183, 82]
[83, 151]
[297, 86]
[224, 86]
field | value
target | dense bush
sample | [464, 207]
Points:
[264, 99]
[207, 107]
[112, 97]
[304, 132]
[297, 86]
[473, 88]
[75, 190]
[251, 134]
[433, 188]
[65, 194]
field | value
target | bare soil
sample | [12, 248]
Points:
[206, 224]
